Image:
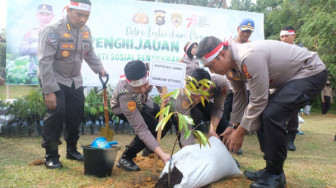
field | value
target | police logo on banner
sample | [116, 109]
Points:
[52, 37]
[176, 19]
[160, 17]
[140, 18]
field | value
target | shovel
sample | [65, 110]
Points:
[106, 131]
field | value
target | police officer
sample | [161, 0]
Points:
[62, 48]
[287, 34]
[244, 30]
[131, 102]
[298, 75]
[189, 57]
[212, 110]
[29, 43]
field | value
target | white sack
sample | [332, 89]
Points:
[202, 166]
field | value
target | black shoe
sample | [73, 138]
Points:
[254, 176]
[73, 154]
[239, 152]
[335, 138]
[52, 163]
[270, 180]
[290, 141]
[127, 165]
[146, 151]
[291, 146]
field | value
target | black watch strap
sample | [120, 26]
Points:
[233, 126]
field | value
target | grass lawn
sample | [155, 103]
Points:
[313, 164]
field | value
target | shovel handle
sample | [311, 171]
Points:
[102, 80]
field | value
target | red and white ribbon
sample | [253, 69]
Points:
[211, 55]
[136, 83]
[80, 6]
[287, 32]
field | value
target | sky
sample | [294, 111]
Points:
[3, 14]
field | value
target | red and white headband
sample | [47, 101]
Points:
[187, 47]
[136, 83]
[80, 6]
[287, 32]
[211, 55]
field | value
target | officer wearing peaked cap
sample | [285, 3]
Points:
[62, 48]
[131, 102]
[29, 42]
[296, 73]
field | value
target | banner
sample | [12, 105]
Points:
[123, 30]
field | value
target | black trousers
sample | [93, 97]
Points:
[326, 105]
[201, 113]
[228, 105]
[68, 114]
[282, 104]
[148, 115]
[293, 123]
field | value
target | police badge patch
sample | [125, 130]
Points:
[131, 106]
[52, 37]
[176, 19]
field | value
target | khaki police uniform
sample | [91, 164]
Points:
[139, 111]
[201, 113]
[296, 73]
[61, 50]
[191, 64]
[326, 95]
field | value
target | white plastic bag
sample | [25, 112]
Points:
[202, 166]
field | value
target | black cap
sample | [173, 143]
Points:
[135, 70]
[45, 8]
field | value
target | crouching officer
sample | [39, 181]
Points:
[131, 102]
[61, 50]
[212, 110]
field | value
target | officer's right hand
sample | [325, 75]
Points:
[165, 157]
[50, 101]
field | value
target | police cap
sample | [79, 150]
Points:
[45, 8]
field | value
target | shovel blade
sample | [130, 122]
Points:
[107, 133]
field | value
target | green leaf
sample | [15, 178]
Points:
[163, 122]
[176, 93]
[187, 133]
[189, 120]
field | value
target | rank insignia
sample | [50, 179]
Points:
[65, 53]
[65, 45]
[176, 19]
[66, 35]
[85, 35]
[131, 106]
[52, 37]
[246, 73]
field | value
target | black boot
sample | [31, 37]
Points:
[290, 141]
[273, 176]
[127, 164]
[73, 154]
[51, 160]
[146, 152]
[254, 176]
[126, 161]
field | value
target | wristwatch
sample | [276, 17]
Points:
[233, 126]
